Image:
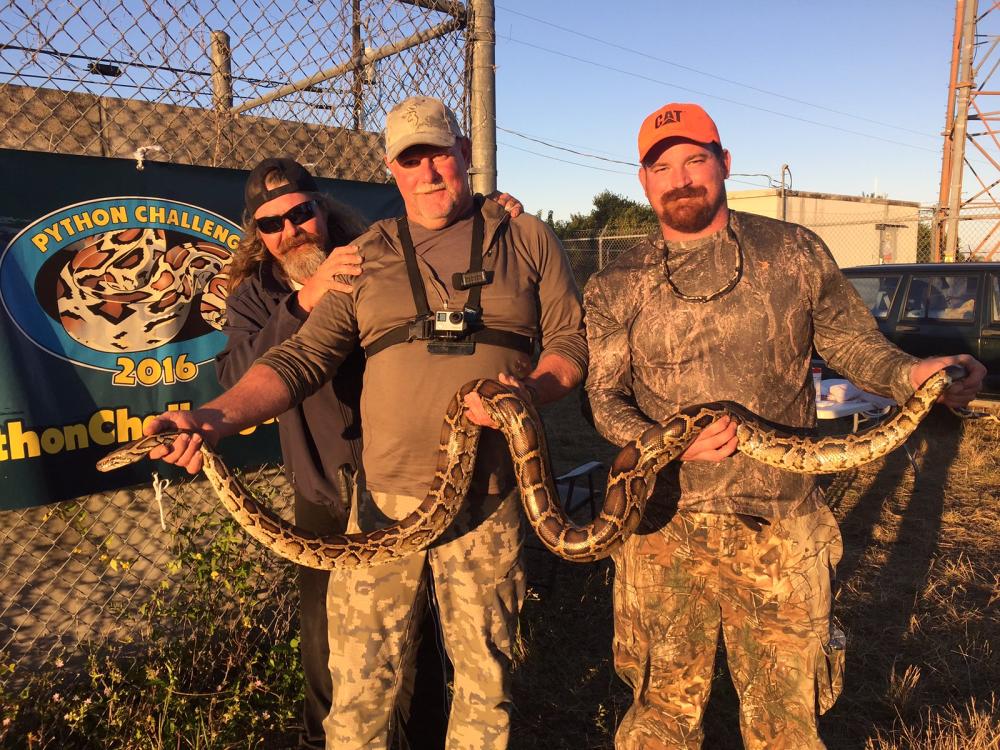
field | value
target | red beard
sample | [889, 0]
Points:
[690, 215]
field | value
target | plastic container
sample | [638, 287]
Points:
[817, 382]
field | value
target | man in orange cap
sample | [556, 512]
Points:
[727, 306]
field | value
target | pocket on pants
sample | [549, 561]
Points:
[830, 669]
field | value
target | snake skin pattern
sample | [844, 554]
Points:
[630, 481]
[126, 291]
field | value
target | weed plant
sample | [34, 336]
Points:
[210, 659]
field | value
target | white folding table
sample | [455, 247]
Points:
[864, 405]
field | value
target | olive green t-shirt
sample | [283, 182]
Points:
[407, 390]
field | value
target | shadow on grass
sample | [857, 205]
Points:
[882, 575]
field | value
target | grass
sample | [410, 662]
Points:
[917, 595]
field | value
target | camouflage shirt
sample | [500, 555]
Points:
[653, 353]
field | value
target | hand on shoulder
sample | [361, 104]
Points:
[342, 261]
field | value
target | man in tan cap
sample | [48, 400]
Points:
[454, 291]
[726, 306]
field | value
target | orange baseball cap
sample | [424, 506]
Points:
[677, 121]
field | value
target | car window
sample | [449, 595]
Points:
[944, 298]
[877, 292]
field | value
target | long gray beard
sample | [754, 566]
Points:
[302, 263]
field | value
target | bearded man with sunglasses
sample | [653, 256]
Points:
[295, 249]
[726, 306]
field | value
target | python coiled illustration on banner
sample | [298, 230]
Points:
[134, 286]
[126, 291]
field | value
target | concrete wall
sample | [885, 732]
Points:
[36, 119]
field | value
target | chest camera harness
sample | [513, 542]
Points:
[450, 331]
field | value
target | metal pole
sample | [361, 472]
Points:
[600, 247]
[370, 56]
[357, 53]
[222, 72]
[964, 88]
[483, 100]
[937, 224]
[784, 200]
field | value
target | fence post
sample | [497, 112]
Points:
[222, 72]
[600, 247]
[358, 56]
[483, 99]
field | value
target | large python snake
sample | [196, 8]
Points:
[630, 481]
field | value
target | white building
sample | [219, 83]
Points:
[858, 231]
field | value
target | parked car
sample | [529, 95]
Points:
[929, 309]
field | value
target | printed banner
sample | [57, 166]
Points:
[117, 304]
[112, 288]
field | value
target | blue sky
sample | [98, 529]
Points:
[883, 66]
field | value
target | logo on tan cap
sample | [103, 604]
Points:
[419, 121]
[676, 120]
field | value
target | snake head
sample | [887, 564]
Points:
[955, 372]
[136, 450]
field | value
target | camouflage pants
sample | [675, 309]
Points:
[768, 590]
[373, 615]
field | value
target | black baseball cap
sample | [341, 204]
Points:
[298, 178]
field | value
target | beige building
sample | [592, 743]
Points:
[858, 231]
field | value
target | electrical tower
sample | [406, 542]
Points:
[967, 220]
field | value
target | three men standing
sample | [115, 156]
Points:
[722, 306]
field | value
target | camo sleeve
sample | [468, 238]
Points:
[845, 333]
[609, 387]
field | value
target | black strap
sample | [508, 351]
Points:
[410, 256]
[476, 250]
[415, 330]
[476, 260]
[492, 336]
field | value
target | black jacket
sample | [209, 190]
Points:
[324, 431]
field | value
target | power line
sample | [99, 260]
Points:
[564, 161]
[570, 150]
[715, 96]
[617, 171]
[712, 75]
[772, 182]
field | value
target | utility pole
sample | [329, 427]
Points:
[970, 161]
[956, 128]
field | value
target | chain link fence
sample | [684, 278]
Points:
[220, 84]
[854, 239]
[227, 83]
[978, 233]
[78, 573]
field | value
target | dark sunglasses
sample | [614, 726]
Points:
[299, 214]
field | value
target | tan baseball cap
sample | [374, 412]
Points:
[419, 121]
